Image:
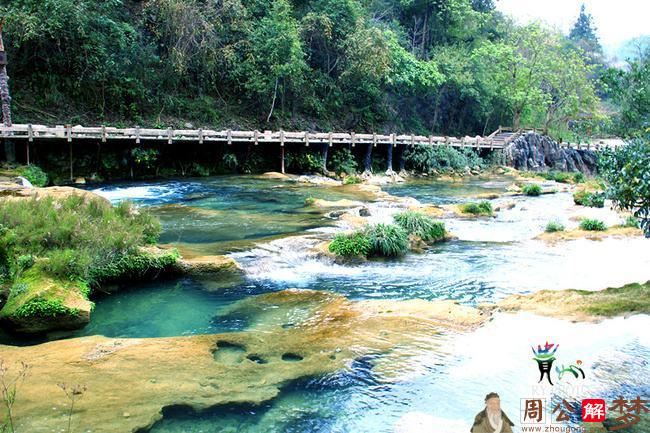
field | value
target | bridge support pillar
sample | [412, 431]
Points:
[324, 152]
[282, 158]
[389, 159]
[367, 159]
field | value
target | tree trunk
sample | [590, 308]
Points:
[10, 147]
[389, 159]
[367, 159]
[517, 119]
[402, 160]
[275, 94]
[326, 147]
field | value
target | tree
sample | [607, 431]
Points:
[275, 63]
[537, 78]
[583, 34]
[630, 90]
[627, 172]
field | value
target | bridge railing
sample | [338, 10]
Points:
[105, 133]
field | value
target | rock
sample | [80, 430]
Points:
[275, 175]
[364, 212]
[22, 181]
[318, 180]
[143, 376]
[534, 152]
[210, 265]
[57, 193]
[317, 202]
[336, 214]
[80, 181]
[68, 307]
[188, 125]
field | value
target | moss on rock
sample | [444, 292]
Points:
[38, 303]
[583, 304]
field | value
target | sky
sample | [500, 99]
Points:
[616, 20]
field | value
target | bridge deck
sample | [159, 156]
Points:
[497, 140]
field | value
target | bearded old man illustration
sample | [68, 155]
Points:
[492, 419]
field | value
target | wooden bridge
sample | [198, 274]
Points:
[29, 133]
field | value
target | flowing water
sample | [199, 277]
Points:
[266, 227]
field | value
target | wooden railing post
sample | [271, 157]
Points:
[306, 138]
[201, 136]
[352, 138]
[137, 135]
[229, 135]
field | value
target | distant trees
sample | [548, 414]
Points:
[630, 91]
[583, 35]
[537, 79]
[445, 66]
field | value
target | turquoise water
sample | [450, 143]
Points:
[447, 192]
[435, 390]
[219, 214]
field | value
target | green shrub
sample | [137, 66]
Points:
[342, 161]
[590, 199]
[34, 175]
[579, 177]
[25, 261]
[199, 170]
[593, 225]
[230, 161]
[352, 180]
[81, 240]
[533, 190]
[627, 173]
[304, 162]
[39, 307]
[554, 226]
[387, 240]
[482, 208]
[146, 158]
[421, 225]
[424, 158]
[561, 177]
[355, 244]
[632, 222]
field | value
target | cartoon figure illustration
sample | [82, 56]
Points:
[545, 358]
[492, 419]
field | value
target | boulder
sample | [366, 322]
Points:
[58, 193]
[38, 303]
[210, 265]
[534, 152]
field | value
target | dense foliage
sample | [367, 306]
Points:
[532, 189]
[449, 66]
[554, 226]
[351, 245]
[590, 199]
[77, 239]
[627, 172]
[387, 240]
[482, 208]
[425, 159]
[593, 225]
[421, 225]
